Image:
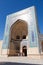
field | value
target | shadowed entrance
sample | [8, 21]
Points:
[24, 50]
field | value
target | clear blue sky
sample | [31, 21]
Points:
[11, 6]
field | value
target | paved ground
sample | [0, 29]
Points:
[20, 61]
[12, 63]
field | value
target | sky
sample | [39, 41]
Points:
[11, 6]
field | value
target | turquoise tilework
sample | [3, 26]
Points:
[6, 36]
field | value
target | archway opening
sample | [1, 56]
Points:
[18, 32]
[24, 51]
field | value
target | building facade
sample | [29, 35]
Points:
[21, 36]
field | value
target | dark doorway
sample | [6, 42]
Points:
[24, 51]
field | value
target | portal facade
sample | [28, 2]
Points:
[18, 32]
[21, 37]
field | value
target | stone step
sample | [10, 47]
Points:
[21, 59]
